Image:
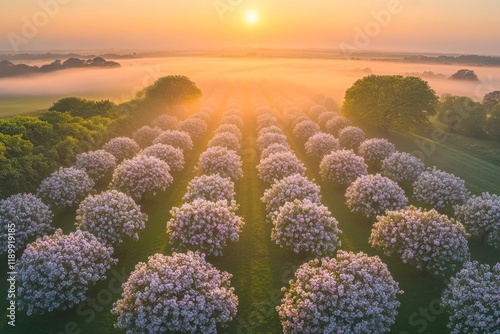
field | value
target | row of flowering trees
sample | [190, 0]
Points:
[426, 239]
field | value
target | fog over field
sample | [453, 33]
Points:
[331, 77]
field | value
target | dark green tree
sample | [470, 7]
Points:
[465, 74]
[82, 107]
[491, 99]
[390, 102]
[492, 125]
[462, 115]
[171, 89]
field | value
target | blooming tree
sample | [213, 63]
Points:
[96, 163]
[372, 195]
[232, 119]
[174, 157]
[427, 240]
[220, 160]
[335, 124]
[351, 137]
[472, 299]
[321, 144]
[481, 217]
[204, 226]
[375, 150]
[305, 129]
[145, 135]
[402, 167]
[225, 139]
[352, 293]
[65, 187]
[165, 122]
[141, 175]
[439, 188]
[181, 293]
[110, 216]
[55, 272]
[316, 110]
[122, 148]
[175, 138]
[305, 226]
[230, 128]
[274, 148]
[280, 165]
[267, 139]
[211, 188]
[289, 188]
[342, 167]
[195, 127]
[26, 217]
[266, 120]
[324, 117]
[270, 129]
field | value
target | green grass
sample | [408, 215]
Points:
[25, 105]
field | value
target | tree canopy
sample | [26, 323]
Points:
[82, 107]
[491, 99]
[171, 89]
[390, 102]
[465, 75]
[462, 115]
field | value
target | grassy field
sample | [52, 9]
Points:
[259, 267]
[12, 106]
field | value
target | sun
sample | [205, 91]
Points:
[251, 17]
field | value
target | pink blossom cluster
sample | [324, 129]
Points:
[321, 144]
[174, 157]
[305, 130]
[402, 167]
[266, 139]
[270, 129]
[342, 167]
[375, 150]
[30, 216]
[96, 163]
[225, 139]
[55, 272]
[274, 148]
[211, 188]
[140, 175]
[175, 138]
[204, 226]
[335, 124]
[122, 148]
[65, 187]
[472, 299]
[181, 293]
[220, 160]
[439, 188]
[195, 127]
[306, 226]
[233, 129]
[428, 240]
[289, 188]
[145, 135]
[110, 216]
[351, 137]
[371, 195]
[279, 165]
[165, 122]
[232, 119]
[352, 293]
[316, 110]
[324, 117]
[481, 217]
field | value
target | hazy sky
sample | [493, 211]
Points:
[446, 26]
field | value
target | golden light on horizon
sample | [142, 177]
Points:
[251, 17]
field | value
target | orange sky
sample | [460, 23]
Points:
[458, 26]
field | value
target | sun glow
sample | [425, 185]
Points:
[251, 17]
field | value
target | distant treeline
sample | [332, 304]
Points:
[8, 69]
[455, 60]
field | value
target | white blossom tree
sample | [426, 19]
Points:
[174, 157]
[342, 167]
[65, 187]
[204, 226]
[181, 293]
[270, 129]
[122, 148]
[375, 150]
[141, 175]
[427, 240]
[145, 135]
[306, 226]
[55, 272]
[175, 138]
[230, 128]
[280, 165]
[211, 188]
[25, 217]
[225, 139]
[267, 139]
[96, 163]
[324, 117]
[232, 119]
[335, 124]
[371, 195]
[321, 144]
[439, 188]
[195, 127]
[220, 160]
[351, 137]
[481, 217]
[165, 122]
[110, 216]
[305, 129]
[352, 293]
[274, 148]
[472, 298]
[402, 167]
